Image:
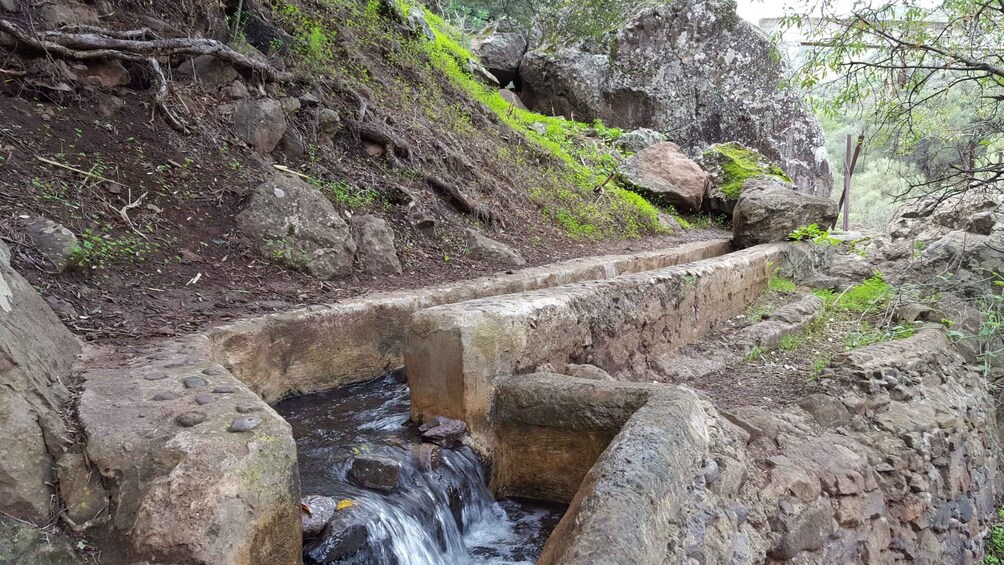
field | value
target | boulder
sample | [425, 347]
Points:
[664, 174]
[501, 53]
[375, 472]
[806, 530]
[36, 354]
[260, 123]
[23, 544]
[54, 241]
[418, 25]
[482, 74]
[212, 72]
[293, 223]
[375, 245]
[67, 13]
[344, 540]
[693, 68]
[512, 98]
[769, 210]
[636, 140]
[730, 165]
[486, 249]
[443, 431]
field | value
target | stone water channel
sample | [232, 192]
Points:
[423, 506]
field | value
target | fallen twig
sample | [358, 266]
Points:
[76, 170]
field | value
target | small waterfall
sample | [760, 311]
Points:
[440, 515]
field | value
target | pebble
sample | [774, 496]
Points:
[166, 396]
[194, 382]
[244, 424]
[248, 408]
[203, 399]
[225, 389]
[189, 419]
[156, 376]
[213, 371]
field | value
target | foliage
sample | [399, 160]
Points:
[812, 233]
[925, 76]
[98, 249]
[995, 542]
[344, 193]
[739, 164]
[871, 294]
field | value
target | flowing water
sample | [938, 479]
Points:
[444, 516]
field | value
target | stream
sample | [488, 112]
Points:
[439, 515]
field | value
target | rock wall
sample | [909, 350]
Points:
[36, 355]
[693, 70]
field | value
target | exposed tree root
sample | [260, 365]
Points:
[141, 45]
[453, 194]
[375, 134]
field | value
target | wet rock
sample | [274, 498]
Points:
[375, 245]
[486, 249]
[694, 68]
[663, 173]
[316, 512]
[587, 372]
[293, 223]
[769, 210]
[212, 72]
[443, 431]
[80, 489]
[54, 241]
[427, 456]
[194, 382]
[189, 419]
[375, 472]
[344, 540]
[244, 424]
[637, 140]
[260, 123]
[501, 53]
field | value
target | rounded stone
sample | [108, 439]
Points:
[244, 424]
[248, 408]
[202, 399]
[161, 396]
[225, 389]
[195, 382]
[156, 376]
[213, 371]
[189, 419]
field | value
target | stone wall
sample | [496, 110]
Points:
[454, 354]
[323, 347]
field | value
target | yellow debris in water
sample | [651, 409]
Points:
[343, 504]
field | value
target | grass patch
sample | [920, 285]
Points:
[781, 285]
[344, 193]
[98, 249]
[791, 342]
[995, 541]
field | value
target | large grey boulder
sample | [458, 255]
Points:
[260, 123]
[769, 210]
[636, 140]
[293, 223]
[501, 53]
[693, 69]
[663, 173]
[375, 245]
[36, 354]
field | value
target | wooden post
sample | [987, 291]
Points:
[850, 163]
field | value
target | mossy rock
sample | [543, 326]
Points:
[20, 543]
[730, 166]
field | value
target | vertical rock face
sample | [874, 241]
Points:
[693, 70]
[36, 351]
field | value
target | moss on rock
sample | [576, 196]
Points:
[730, 166]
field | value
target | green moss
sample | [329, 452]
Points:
[739, 164]
[782, 285]
[871, 294]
